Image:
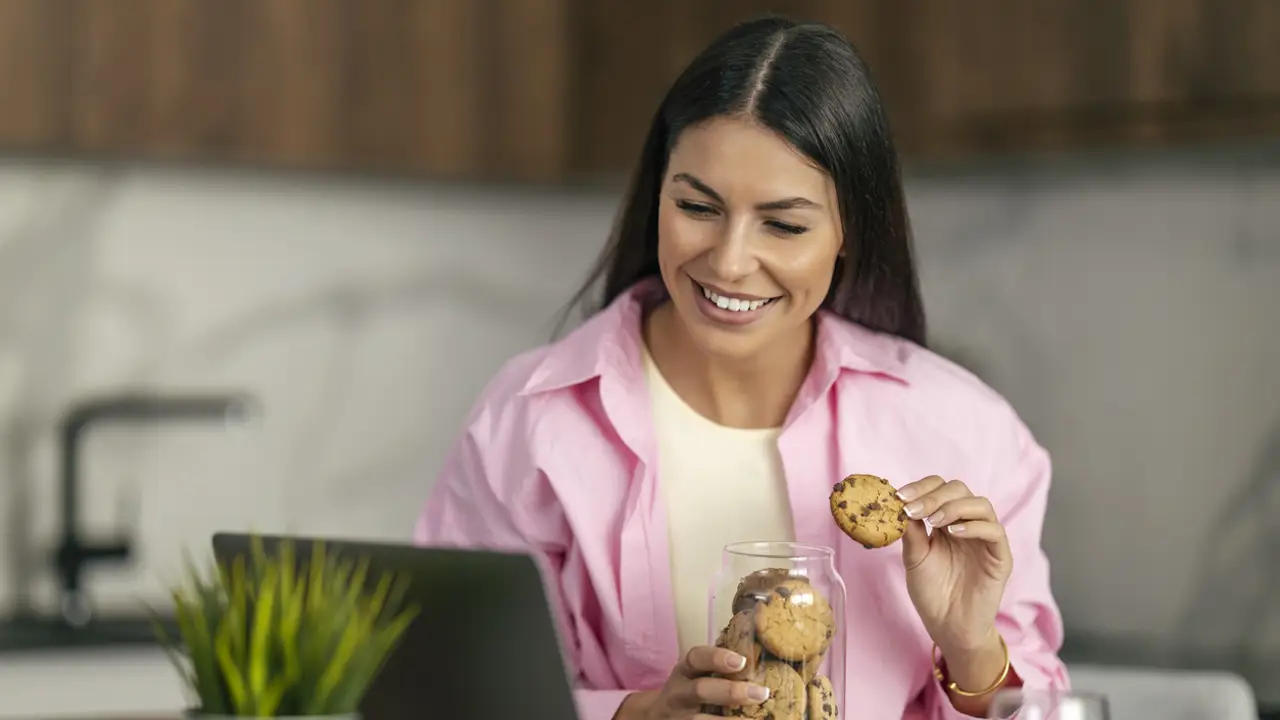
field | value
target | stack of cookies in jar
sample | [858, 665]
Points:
[783, 626]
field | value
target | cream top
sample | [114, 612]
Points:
[721, 485]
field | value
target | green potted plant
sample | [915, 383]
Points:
[266, 638]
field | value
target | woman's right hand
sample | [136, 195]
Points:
[691, 687]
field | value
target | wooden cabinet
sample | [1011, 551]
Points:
[35, 57]
[971, 79]
[471, 89]
[1077, 74]
[557, 90]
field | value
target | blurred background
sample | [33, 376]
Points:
[313, 229]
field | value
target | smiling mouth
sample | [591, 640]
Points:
[731, 303]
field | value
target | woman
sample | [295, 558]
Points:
[761, 337]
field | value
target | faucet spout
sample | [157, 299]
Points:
[74, 553]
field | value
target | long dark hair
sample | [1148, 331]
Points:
[805, 82]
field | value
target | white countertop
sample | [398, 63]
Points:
[89, 683]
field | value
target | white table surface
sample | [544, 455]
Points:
[86, 683]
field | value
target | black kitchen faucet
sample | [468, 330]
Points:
[74, 551]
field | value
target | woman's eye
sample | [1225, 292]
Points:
[787, 228]
[695, 209]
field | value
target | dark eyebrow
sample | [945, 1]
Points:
[795, 203]
[698, 185]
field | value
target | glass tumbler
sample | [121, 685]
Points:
[781, 605]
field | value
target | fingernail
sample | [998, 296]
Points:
[906, 494]
[735, 661]
[955, 529]
[914, 509]
[935, 519]
[758, 693]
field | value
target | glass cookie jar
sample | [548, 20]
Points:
[781, 605]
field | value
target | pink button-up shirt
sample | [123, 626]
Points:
[558, 458]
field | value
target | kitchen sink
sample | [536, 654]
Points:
[35, 632]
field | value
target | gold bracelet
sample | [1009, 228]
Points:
[952, 687]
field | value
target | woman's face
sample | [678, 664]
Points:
[748, 235]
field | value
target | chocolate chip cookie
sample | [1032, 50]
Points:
[788, 695]
[822, 699]
[867, 509]
[757, 586]
[740, 636]
[808, 668]
[795, 621]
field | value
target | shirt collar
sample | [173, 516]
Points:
[610, 342]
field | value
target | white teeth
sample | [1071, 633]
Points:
[734, 304]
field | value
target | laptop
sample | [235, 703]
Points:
[484, 645]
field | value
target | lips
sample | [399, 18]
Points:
[733, 312]
[734, 303]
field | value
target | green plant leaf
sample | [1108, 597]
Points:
[231, 673]
[266, 636]
[271, 698]
[195, 632]
[288, 569]
[316, 582]
[380, 647]
[356, 585]
[338, 664]
[259, 647]
[378, 599]
[290, 625]
[238, 608]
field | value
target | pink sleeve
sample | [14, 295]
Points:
[1029, 619]
[465, 510]
[599, 704]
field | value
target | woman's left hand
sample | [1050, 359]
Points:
[955, 576]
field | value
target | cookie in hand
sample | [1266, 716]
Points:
[867, 509]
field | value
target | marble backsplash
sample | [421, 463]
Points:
[1130, 308]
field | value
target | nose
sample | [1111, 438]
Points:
[733, 257]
